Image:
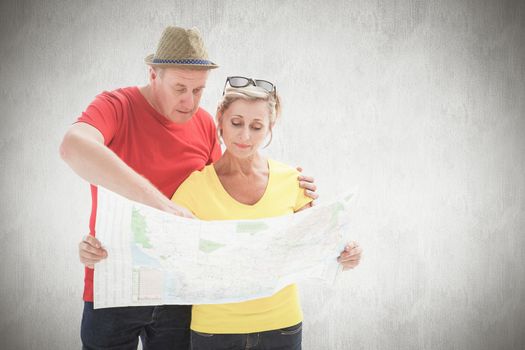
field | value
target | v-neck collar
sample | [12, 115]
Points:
[226, 195]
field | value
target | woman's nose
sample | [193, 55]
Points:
[245, 133]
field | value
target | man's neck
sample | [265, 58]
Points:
[146, 92]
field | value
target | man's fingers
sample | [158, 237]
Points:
[299, 169]
[92, 241]
[306, 178]
[90, 259]
[175, 209]
[308, 185]
[86, 247]
[311, 194]
[187, 214]
[91, 256]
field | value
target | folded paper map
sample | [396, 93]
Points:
[157, 258]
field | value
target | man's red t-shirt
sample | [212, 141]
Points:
[162, 151]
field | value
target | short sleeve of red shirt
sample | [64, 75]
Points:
[105, 113]
[216, 151]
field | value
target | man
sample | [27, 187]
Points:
[142, 143]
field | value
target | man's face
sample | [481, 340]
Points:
[176, 92]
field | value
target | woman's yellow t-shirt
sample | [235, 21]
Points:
[204, 195]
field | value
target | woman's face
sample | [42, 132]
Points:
[245, 125]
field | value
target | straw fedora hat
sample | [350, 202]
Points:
[180, 47]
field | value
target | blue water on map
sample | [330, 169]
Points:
[142, 259]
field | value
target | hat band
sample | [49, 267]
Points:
[183, 61]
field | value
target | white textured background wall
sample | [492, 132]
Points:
[420, 103]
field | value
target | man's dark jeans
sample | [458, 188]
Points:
[280, 339]
[159, 327]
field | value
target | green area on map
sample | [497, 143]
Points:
[336, 211]
[251, 227]
[138, 227]
[209, 246]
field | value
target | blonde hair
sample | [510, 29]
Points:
[250, 93]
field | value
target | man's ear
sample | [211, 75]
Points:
[152, 74]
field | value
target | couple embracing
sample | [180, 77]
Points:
[155, 145]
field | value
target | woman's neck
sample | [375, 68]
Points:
[245, 179]
[229, 165]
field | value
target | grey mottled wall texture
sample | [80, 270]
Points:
[419, 103]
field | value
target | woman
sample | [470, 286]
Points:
[243, 184]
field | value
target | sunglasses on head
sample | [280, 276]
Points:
[240, 82]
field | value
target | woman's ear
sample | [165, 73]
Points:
[270, 128]
[271, 135]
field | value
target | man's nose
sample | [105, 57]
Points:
[188, 100]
